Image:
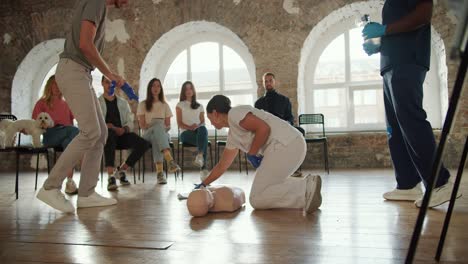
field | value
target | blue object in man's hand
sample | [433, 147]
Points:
[373, 30]
[370, 48]
[255, 160]
[128, 90]
[199, 186]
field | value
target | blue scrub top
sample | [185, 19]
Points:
[404, 48]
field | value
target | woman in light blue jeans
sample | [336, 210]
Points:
[154, 117]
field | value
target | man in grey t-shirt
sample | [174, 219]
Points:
[81, 55]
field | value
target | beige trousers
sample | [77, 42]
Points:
[75, 83]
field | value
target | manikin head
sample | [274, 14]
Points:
[199, 202]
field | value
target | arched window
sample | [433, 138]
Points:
[209, 55]
[338, 79]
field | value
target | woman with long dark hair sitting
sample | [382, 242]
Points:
[154, 117]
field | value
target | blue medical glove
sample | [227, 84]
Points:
[370, 48]
[255, 160]
[199, 186]
[126, 88]
[373, 30]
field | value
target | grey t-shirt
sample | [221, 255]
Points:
[91, 10]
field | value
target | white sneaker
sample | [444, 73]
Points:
[70, 187]
[204, 174]
[313, 195]
[439, 195]
[404, 195]
[199, 160]
[161, 178]
[95, 200]
[55, 199]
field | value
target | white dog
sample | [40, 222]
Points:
[35, 128]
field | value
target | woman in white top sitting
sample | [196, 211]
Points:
[154, 117]
[275, 149]
[191, 122]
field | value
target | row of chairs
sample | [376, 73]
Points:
[304, 119]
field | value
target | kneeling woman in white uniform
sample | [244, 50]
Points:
[277, 150]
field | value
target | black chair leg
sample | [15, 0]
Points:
[182, 164]
[246, 165]
[211, 157]
[144, 168]
[17, 174]
[37, 171]
[325, 153]
[134, 176]
[48, 163]
[239, 161]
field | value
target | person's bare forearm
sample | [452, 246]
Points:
[419, 17]
[93, 56]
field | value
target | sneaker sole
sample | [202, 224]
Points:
[404, 198]
[165, 182]
[441, 203]
[316, 200]
[72, 193]
[46, 201]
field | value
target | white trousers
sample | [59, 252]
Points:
[272, 186]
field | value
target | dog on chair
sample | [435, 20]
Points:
[32, 127]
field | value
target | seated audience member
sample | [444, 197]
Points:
[119, 121]
[154, 117]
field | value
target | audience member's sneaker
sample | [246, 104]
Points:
[95, 200]
[204, 174]
[173, 167]
[297, 174]
[122, 177]
[199, 160]
[439, 195]
[313, 195]
[55, 199]
[70, 187]
[404, 195]
[161, 178]
[112, 184]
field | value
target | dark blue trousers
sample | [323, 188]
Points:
[410, 137]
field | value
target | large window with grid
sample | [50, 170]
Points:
[346, 85]
[214, 68]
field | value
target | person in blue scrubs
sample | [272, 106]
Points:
[404, 49]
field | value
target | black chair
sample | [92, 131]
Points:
[187, 145]
[316, 119]
[219, 143]
[24, 150]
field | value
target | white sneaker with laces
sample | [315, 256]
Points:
[55, 199]
[404, 195]
[439, 195]
[94, 200]
[204, 174]
[161, 178]
[199, 160]
[313, 194]
[70, 187]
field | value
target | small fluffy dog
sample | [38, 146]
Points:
[35, 128]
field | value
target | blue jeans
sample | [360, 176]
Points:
[198, 138]
[159, 139]
[410, 137]
[59, 136]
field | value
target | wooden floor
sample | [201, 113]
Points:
[354, 225]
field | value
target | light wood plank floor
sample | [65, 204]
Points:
[354, 225]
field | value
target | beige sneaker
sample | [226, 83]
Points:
[161, 178]
[313, 193]
[70, 187]
[95, 200]
[404, 195]
[439, 195]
